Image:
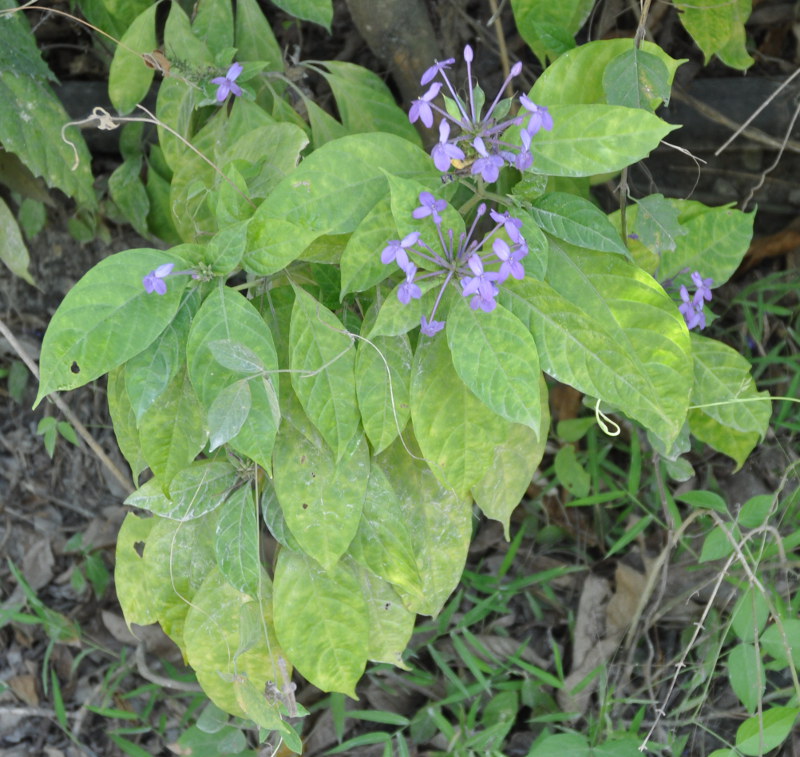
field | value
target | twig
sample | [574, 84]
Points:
[126, 482]
[167, 683]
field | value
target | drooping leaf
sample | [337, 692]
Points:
[13, 251]
[172, 431]
[383, 542]
[438, 521]
[228, 323]
[322, 620]
[229, 637]
[213, 23]
[237, 542]
[91, 332]
[317, 11]
[495, 356]
[322, 363]
[717, 26]
[321, 496]
[124, 420]
[733, 415]
[515, 461]
[746, 675]
[548, 28]
[255, 39]
[456, 432]
[132, 591]
[129, 77]
[383, 375]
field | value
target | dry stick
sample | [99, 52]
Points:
[501, 43]
[741, 129]
[126, 483]
[163, 681]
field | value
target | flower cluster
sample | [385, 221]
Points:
[692, 306]
[480, 142]
[461, 261]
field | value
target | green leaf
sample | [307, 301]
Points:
[130, 195]
[785, 652]
[495, 356]
[31, 120]
[714, 24]
[213, 23]
[13, 251]
[762, 733]
[577, 76]
[177, 558]
[330, 192]
[124, 421]
[322, 621]
[228, 413]
[255, 39]
[321, 497]
[637, 79]
[383, 542]
[577, 221]
[129, 78]
[129, 570]
[148, 374]
[657, 224]
[750, 614]
[746, 674]
[228, 317]
[390, 623]
[541, 23]
[515, 461]
[361, 259]
[91, 332]
[173, 430]
[19, 54]
[714, 244]
[587, 140]
[734, 52]
[438, 521]
[722, 375]
[605, 327]
[195, 491]
[457, 433]
[113, 16]
[229, 637]
[318, 11]
[570, 473]
[383, 376]
[181, 43]
[365, 103]
[703, 499]
[237, 542]
[322, 364]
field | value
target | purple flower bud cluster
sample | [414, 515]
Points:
[480, 142]
[692, 306]
[462, 261]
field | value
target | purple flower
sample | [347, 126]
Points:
[703, 291]
[421, 109]
[488, 166]
[396, 250]
[511, 225]
[154, 281]
[444, 151]
[510, 259]
[432, 328]
[692, 314]
[540, 116]
[408, 290]
[481, 285]
[430, 206]
[435, 69]
[227, 83]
